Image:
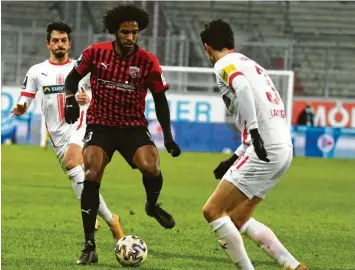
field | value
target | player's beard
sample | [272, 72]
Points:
[60, 54]
[126, 50]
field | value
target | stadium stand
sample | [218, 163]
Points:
[315, 39]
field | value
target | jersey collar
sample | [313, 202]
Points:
[59, 64]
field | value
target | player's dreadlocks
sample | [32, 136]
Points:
[125, 13]
[58, 26]
[218, 34]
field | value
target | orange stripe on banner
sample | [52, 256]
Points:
[81, 120]
[233, 76]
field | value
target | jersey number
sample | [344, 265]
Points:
[61, 105]
[272, 95]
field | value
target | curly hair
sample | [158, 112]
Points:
[58, 26]
[218, 34]
[125, 13]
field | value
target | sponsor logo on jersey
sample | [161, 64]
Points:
[134, 71]
[53, 89]
[115, 85]
[227, 71]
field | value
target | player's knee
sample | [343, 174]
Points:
[239, 220]
[150, 169]
[93, 175]
[211, 213]
[71, 164]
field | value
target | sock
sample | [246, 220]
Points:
[104, 212]
[232, 242]
[77, 177]
[90, 200]
[153, 185]
[267, 240]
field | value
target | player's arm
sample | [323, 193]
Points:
[157, 85]
[28, 93]
[247, 111]
[81, 68]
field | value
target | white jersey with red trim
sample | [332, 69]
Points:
[46, 80]
[251, 96]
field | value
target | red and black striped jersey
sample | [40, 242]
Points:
[119, 84]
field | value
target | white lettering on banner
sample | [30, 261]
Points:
[338, 110]
[320, 118]
[352, 117]
[192, 108]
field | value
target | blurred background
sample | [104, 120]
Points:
[308, 48]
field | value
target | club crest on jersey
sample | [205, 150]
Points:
[60, 79]
[134, 71]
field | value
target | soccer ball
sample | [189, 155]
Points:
[131, 251]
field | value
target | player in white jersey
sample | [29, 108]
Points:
[46, 80]
[262, 159]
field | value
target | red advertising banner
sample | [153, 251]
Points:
[327, 113]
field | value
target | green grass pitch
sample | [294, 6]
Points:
[312, 210]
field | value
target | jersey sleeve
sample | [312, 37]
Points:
[29, 88]
[156, 81]
[246, 101]
[84, 62]
[228, 73]
[228, 96]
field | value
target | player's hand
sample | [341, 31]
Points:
[82, 98]
[19, 110]
[223, 167]
[258, 144]
[172, 147]
[72, 110]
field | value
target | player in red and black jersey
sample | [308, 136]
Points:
[121, 73]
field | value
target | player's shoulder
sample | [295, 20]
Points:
[142, 53]
[101, 45]
[38, 68]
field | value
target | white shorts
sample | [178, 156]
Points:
[71, 137]
[255, 177]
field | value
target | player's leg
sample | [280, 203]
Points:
[241, 214]
[73, 163]
[97, 154]
[146, 158]
[229, 237]
[140, 152]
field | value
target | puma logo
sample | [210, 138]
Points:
[104, 65]
[44, 74]
[86, 211]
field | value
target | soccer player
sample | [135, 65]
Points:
[47, 79]
[262, 159]
[121, 73]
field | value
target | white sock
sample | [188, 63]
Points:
[232, 242]
[267, 240]
[77, 177]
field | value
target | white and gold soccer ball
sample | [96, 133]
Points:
[131, 251]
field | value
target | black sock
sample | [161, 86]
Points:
[153, 185]
[90, 201]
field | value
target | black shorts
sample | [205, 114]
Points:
[125, 140]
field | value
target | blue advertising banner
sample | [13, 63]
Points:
[324, 142]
